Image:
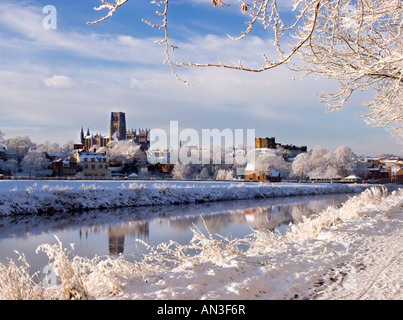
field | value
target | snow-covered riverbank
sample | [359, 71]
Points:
[28, 197]
[351, 252]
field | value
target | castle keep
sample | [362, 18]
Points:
[270, 143]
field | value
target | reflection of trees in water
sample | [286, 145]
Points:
[183, 224]
[96, 220]
[215, 222]
[266, 214]
[268, 218]
[259, 218]
[257, 213]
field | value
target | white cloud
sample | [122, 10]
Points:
[58, 82]
[25, 33]
[270, 102]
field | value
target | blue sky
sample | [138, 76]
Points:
[53, 82]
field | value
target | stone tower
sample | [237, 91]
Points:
[118, 126]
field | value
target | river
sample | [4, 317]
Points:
[113, 232]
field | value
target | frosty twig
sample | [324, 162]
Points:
[357, 43]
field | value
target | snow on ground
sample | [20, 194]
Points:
[28, 197]
[22, 185]
[351, 252]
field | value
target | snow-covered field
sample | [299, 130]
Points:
[31, 197]
[352, 252]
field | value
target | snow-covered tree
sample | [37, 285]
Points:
[356, 43]
[361, 169]
[266, 162]
[333, 165]
[181, 171]
[35, 163]
[301, 165]
[229, 175]
[263, 163]
[318, 160]
[221, 174]
[282, 152]
[344, 157]
[120, 150]
[64, 151]
[332, 173]
[204, 173]
[48, 147]
[96, 148]
[126, 154]
[67, 150]
[9, 167]
[331, 168]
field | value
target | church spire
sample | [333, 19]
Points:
[82, 135]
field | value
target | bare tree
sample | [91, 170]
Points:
[355, 42]
[20, 145]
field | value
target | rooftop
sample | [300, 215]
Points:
[92, 157]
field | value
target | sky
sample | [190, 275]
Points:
[55, 81]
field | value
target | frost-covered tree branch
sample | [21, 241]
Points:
[358, 43]
[111, 7]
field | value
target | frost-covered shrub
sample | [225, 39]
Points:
[70, 271]
[16, 283]
[210, 262]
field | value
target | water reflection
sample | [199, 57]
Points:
[117, 234]
[162, 223]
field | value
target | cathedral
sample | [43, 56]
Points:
[117, 132]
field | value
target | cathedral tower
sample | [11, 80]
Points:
[118, 126]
